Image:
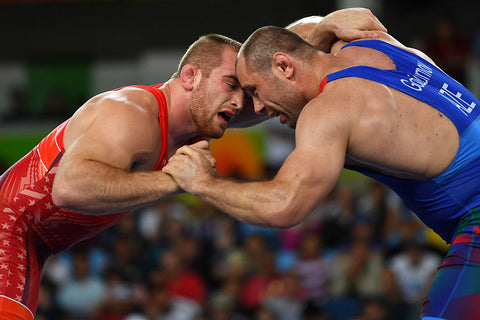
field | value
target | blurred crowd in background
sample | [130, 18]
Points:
[360, 255]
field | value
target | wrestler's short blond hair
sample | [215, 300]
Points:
[205, 53]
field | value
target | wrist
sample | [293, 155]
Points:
[322, 36]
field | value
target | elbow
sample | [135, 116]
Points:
[63, 195]
[285, 216]
[290, 208]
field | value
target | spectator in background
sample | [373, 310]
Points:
[80, 296]
[286, 298]
[414, 269]
[256, 287]
[395, 304]
[449, 49]
[376, 208]
[263, 313]
[358, 267]
[373, 309]
[357, 274]
[186, 287]
[312, 268]
[47, 308]
[314, 312]
[222, 306]
[18, 108]
[121, 296]
[340, 213]
[56, 105]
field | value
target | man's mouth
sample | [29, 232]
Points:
[226, 116]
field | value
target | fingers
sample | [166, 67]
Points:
[185, 150]
[202, 144]
[172, 165]
[374, 24]
[359, 34]
[196, 154]
[198, 149]
[168, 170]
[213, 161]
[380, 26]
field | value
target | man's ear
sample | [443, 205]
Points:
[283, 64]
[189, 76]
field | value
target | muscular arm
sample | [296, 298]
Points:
[307, 175]
[97, 174]
[346, 24]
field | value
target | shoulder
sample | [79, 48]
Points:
[383, 36]
[130, 96]
[132, 109]
[391, 40]
[129, 104]
[332, 116]
[336, 99]
[125, 112]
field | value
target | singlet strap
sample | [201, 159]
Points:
[163, 120]
[51, 146]
[322, 85]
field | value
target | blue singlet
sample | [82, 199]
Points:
[446, 200]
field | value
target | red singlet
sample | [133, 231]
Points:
[32, 228]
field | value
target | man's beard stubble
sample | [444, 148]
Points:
[200, 106]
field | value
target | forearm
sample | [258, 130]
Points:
[261, 203]
[281, 202]
[96, 188]
[346, 25]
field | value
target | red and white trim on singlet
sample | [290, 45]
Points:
[51, 146]
[322, 85]
[11, 309]
[162, 119]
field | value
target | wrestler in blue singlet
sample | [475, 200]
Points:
[449, 202]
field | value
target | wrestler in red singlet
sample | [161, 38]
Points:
[32, 228]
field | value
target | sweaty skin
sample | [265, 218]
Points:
[384, 131]
[112, 142]
[363, 25]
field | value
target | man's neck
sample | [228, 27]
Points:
[181, 127]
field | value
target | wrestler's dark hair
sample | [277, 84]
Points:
[260, 47]
[206, 53]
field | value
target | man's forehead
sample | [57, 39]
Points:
[243, 77]
[229, 55]
[240, 69]
[228, 63]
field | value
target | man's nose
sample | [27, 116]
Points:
[258, 106]
[238, 101]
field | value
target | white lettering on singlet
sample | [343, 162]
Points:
[456, 100]
[420, 79]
